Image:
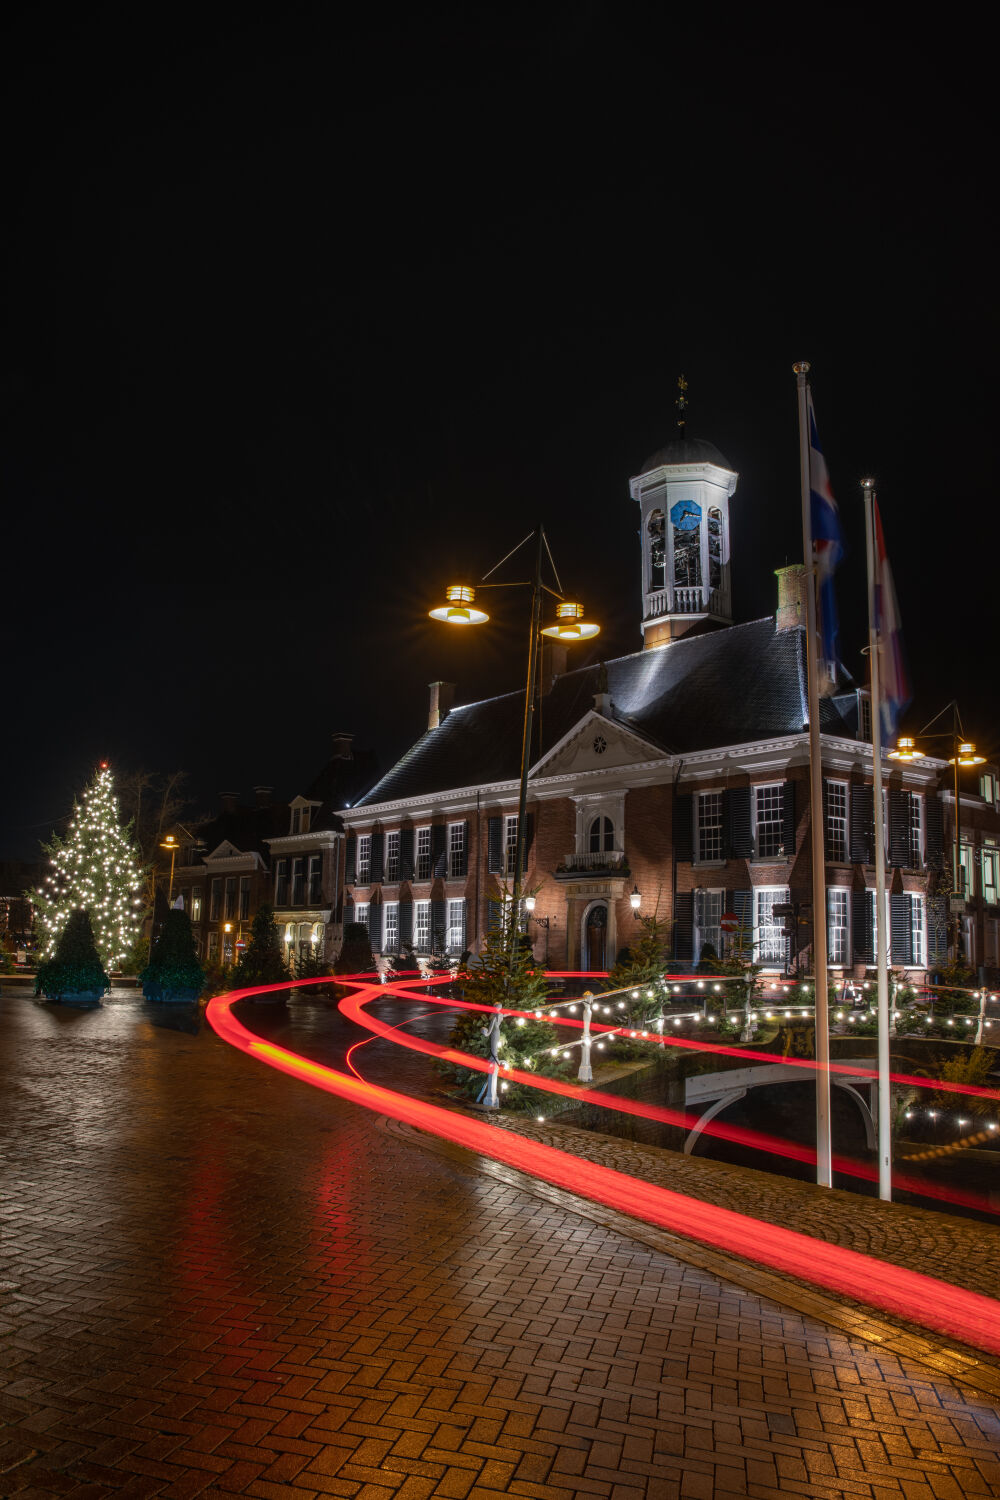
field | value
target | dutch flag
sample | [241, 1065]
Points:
[828, 549]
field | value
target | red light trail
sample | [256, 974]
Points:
[924, 1300]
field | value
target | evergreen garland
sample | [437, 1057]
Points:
[96, 867]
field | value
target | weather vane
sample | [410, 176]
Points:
[681, 403]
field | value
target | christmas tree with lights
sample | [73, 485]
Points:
[96, 867]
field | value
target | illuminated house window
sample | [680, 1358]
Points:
[707, 920]
[364, 858]
[769, 824]
[837, 934]
[421, 926]
[966, 868]
[510, 844]
[315, 879]
[991, 873]
[456, 926]
[918, 953]
[709, 809]
[361, 913]
[988, 788]
[916, 830]
[196, 903]
[299, 880]
[601, 836]
[657, 532]
[836, 821]
[457, 852]
[423, 856]
[392, 857]
[390, 936]
[715, 548]
[771, 938]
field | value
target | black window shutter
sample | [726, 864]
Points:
[788, 815]
[406, 918]
[899, 829]
[864, 935]
[900, 930]
[378, 856]
[529, 834]
[467, 847]
[741, 905]
[348, 911]
[493, 917]
[738, 818]
[937, 929]
[406, 854]
[351, 873]
[375, 926]
[935, 832]
[439, 849]
[684, 925]
[684, 828]
[862, 826]
[439, 925]
[495, 846]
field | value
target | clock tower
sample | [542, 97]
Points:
[683, 496]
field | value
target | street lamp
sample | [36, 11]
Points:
[635, 901]
[964, 755]
[569, 625]
[170, 843]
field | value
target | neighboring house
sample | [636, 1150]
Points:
[307, 856]
[223, 873]
[681, 771]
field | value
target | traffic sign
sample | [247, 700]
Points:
[729, 921]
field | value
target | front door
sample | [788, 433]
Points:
[597, 938]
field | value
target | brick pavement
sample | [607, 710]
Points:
[229, 1283]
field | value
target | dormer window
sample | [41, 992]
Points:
[300, 819]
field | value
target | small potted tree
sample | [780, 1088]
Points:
[173, 972]
[74, 973]
[262, 961]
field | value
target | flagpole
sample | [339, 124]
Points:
[824, 1146]
[881, 923]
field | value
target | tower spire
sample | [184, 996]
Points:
[682, 405]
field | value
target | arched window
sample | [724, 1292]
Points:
[687, 555]
[715, 548]
[657, 532]
[602, 836]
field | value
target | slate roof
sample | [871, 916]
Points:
[339, 785]
[721, 688]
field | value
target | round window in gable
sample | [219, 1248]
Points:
[600, 744]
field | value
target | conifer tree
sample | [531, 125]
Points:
[96, 867]
[75, 967]
[174, 969]
[262, 961]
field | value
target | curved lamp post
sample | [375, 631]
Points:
[568, 625]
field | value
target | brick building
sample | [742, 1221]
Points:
[681, 771]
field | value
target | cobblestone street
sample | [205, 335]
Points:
[219, 1281]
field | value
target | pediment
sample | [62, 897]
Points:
[597, 743]
[225, 850]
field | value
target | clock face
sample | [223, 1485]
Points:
[686, 515]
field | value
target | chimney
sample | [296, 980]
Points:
[442, 702]
[263, 795]
[230, 801]
[791, 597]
[342, 742]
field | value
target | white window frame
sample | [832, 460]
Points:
[458, 853]
[967, 868]
[760, 791]
[364, 859]
[770, 938]
[455, 929]
[988, 788]
[422, 853]
[361, 914]
[838, 824]
[392, 857]
[709, 833]
[989, 857]
[422, 926]
[709, 906]
[838, 925]
[390, 926]
[196, 903]
[213, 947]
[509, 843]
[918, 930]
[915, 830]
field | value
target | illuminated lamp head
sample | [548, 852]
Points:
[906, 749]
[570, 625]
[459, 607]
[967, 756]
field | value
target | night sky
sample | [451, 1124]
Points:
[307, 314]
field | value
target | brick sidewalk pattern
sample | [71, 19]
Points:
[225, 1282]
